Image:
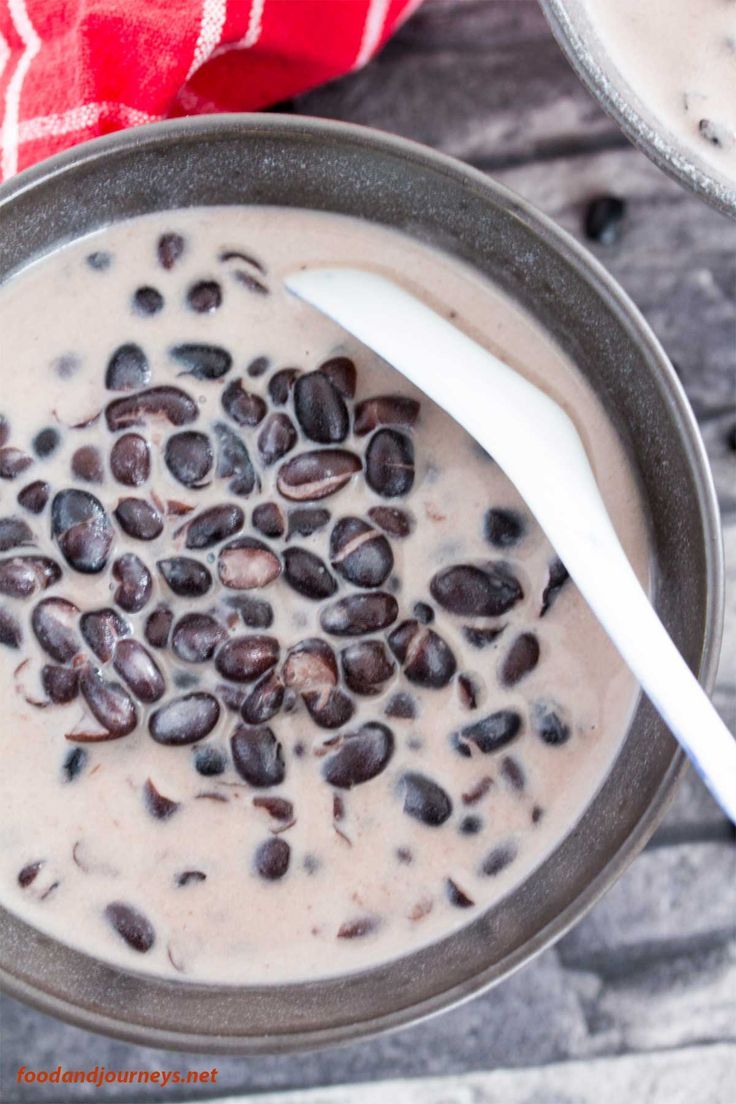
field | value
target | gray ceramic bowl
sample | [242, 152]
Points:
[305, 163]
[587, 54]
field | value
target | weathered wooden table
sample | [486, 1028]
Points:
[639, 1001]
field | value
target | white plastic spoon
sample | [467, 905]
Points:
[539, 448]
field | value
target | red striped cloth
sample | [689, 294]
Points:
[74, 69]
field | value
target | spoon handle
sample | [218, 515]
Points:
[535, 442]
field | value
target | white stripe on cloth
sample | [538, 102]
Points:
[4, 54]
[78, 118]
[210, 30]
[253, 30]
[31, 46]
[374, 20]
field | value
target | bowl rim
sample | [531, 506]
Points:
[616, 299]
[660, 147]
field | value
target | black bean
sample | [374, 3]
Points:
[10, 631]
[468, 691]
[549, 726]
[205, 296]
[46, 442]
[83, 530]
[389, 463]
[320, 409]
[426, 657]
[492, 732]
[358, 614]
[234, 462]
[196, 637]
[139, 519]
[29, 873]
[244, 407]
[189, 877]
[556, 579]
[521, 658]
[277, 807]
[131, 925]
[108, 702]
[360, 553]
[457, 896]
[214, 525]
[14, 533]
[272, 859]
[475, 591]
[147, 301]
[603, 219]
[424, 799]
[385, 410]
[208, 362]
[366, 666]
[256, 613]
[184, 720]
[356, 929]
[513, 773]
[395, 522]
[209, 762]
[158, 806]
[22, 576]
[305, 520]
[158, 626]
[74, 763]
[13, 462]
[247, 563]
[277, 437]
[169, 249]
[60, 684]
[130, 460]
[170, 404]
[101, 630]
[54, 622]
[423, 613]
[34, 496]
[189, 457]
[137, 667]
[402, 706]
[264, 701]
[246, 658]
[135, 583]
[314, 475]
[268, 518]
[4, 430]
[250, 282]
[281, 385]
[362, 756]
[503, 528]
[87, 464]
[258, 367]
[128, 369]
[341, 372]
[481, 638]
[498, 859]
[258, 757]
[470, 825]
[307, 574]
[186, 577]
[329, 709]
[310, 666]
